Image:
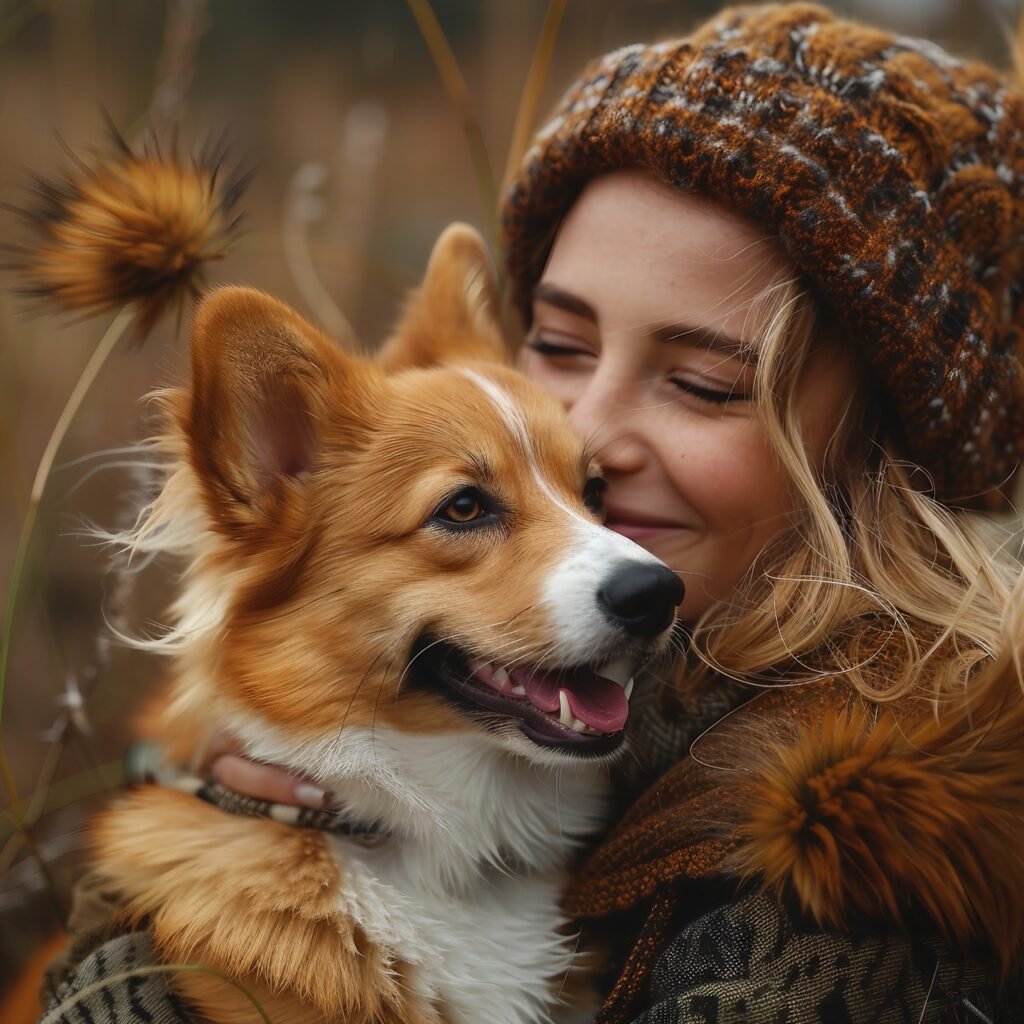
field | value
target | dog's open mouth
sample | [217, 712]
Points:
[581, 709]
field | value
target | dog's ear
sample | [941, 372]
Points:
[269, 392]
[453, 316]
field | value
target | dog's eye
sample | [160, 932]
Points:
[463, 508]
[593, 494]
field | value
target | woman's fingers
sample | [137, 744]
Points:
[223, 743]
[268, 782]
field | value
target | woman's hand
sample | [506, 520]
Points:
[263, 781]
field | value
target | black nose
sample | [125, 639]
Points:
[641, 597]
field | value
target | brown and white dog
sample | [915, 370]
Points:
[395, 582]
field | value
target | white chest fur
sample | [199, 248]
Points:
[466, 890]
[498, 950]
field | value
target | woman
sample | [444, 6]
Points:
[773, 271]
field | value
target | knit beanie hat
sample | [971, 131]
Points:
[891, 172]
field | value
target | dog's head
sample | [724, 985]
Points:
[411, 541]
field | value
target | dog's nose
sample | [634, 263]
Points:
[641, 597]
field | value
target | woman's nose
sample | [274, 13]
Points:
[606, 416]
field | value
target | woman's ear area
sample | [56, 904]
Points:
[267, 386]
[453, 315]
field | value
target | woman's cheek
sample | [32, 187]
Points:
[727, 472]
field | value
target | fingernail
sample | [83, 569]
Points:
[311, 796]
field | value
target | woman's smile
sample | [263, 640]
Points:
[639, 526]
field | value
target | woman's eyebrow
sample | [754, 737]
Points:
[561, 299]
[708, 338]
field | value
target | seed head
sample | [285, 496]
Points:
[130, 228]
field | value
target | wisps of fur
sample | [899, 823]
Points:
[870, 816]
[264, 906]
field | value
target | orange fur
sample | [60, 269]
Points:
[878, 816]
[458, 297]
[223, 1003]
[251, 897]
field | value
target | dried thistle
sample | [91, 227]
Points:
[131, 228]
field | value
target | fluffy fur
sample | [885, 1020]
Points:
[236, 914]
[302, 489]
[130, 228]
[883, 815]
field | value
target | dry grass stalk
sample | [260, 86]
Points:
[302, 207]
[185, 25]
[458, 93]
[529, 101]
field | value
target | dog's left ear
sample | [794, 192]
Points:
[453, 316]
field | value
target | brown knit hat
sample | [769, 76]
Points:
[891, 172]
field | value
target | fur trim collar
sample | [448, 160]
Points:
[857, 812]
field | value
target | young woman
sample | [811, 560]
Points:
[773, 270]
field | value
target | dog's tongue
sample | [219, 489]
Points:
[599, 702]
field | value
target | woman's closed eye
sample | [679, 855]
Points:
[556, 345]
[710, 393]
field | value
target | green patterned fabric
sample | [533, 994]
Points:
[749, 962]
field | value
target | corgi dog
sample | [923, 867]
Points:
[395, 582]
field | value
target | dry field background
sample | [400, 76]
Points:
[341, 99]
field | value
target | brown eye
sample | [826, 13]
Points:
[468, 509]
[463, 508]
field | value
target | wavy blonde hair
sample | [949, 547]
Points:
[875, 580]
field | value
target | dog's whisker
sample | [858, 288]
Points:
[355, 692]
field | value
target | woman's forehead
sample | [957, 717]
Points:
[632, 246]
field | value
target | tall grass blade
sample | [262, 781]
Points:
[533, 86]
[106, 346]
[458, 94]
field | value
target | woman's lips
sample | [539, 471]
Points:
[636, 525]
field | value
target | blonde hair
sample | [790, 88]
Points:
[875, 581]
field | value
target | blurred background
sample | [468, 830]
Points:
[360, 160]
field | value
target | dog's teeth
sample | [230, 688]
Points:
[618, 670]
[578, 726]
[565, 716]
[518, 691]
[501, 678]
[629, 688]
